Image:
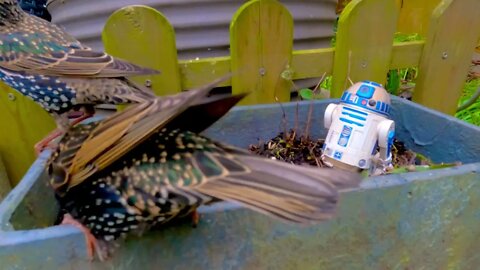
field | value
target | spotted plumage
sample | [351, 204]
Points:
[158, 168]
[50, 93]
[46, 64]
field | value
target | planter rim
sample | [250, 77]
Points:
[9, 236]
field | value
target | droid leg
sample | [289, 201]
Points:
[386, 134]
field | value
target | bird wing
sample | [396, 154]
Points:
[120, 133]
[40, 47]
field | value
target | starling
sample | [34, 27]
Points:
[46, 64]
[145, 166]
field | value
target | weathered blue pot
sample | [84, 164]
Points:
[413, 220]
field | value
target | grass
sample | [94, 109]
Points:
[398, 79]
[472, 113]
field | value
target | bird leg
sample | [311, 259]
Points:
[75, 114]
[80, 119]
[45, 142]
[91, 241]
[82, 111]
[62, 125]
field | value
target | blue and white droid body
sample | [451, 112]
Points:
[358, 126]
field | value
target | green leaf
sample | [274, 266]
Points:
[422, 168]
[306, 94]
[393, 82]
[402, 37]
[416, 168]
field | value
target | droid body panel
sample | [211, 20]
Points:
[358, 126]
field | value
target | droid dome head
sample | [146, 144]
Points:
[368, 95]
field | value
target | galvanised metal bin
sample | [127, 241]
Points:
[415, 220]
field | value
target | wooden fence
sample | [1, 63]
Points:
[262, 60]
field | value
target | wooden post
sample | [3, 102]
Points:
[364, 43]
[24, 123]
[261, 41]
[415, 16]
[453, 33]
[5, 186]
[144, 36]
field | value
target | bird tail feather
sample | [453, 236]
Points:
[291, 193]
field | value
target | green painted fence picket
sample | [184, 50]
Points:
[363, 49]
[261, 41]
[453, 33]
[145, 37]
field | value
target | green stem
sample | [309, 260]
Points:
[469, 102]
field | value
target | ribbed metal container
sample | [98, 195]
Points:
[201, 26]
[415, 220]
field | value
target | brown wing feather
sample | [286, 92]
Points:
[128, 129]
[79, 63]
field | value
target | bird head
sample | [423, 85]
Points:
[59, 177]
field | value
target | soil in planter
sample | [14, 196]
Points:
[292, 149]
[299, 150]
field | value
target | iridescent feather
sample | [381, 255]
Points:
[46, 64]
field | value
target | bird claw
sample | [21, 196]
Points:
[46, 142]
[92, 244]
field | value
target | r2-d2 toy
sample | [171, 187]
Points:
[358, 126]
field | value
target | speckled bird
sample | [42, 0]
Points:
[46, 64]
[147, 165]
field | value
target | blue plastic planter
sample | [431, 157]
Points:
[415, 220]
